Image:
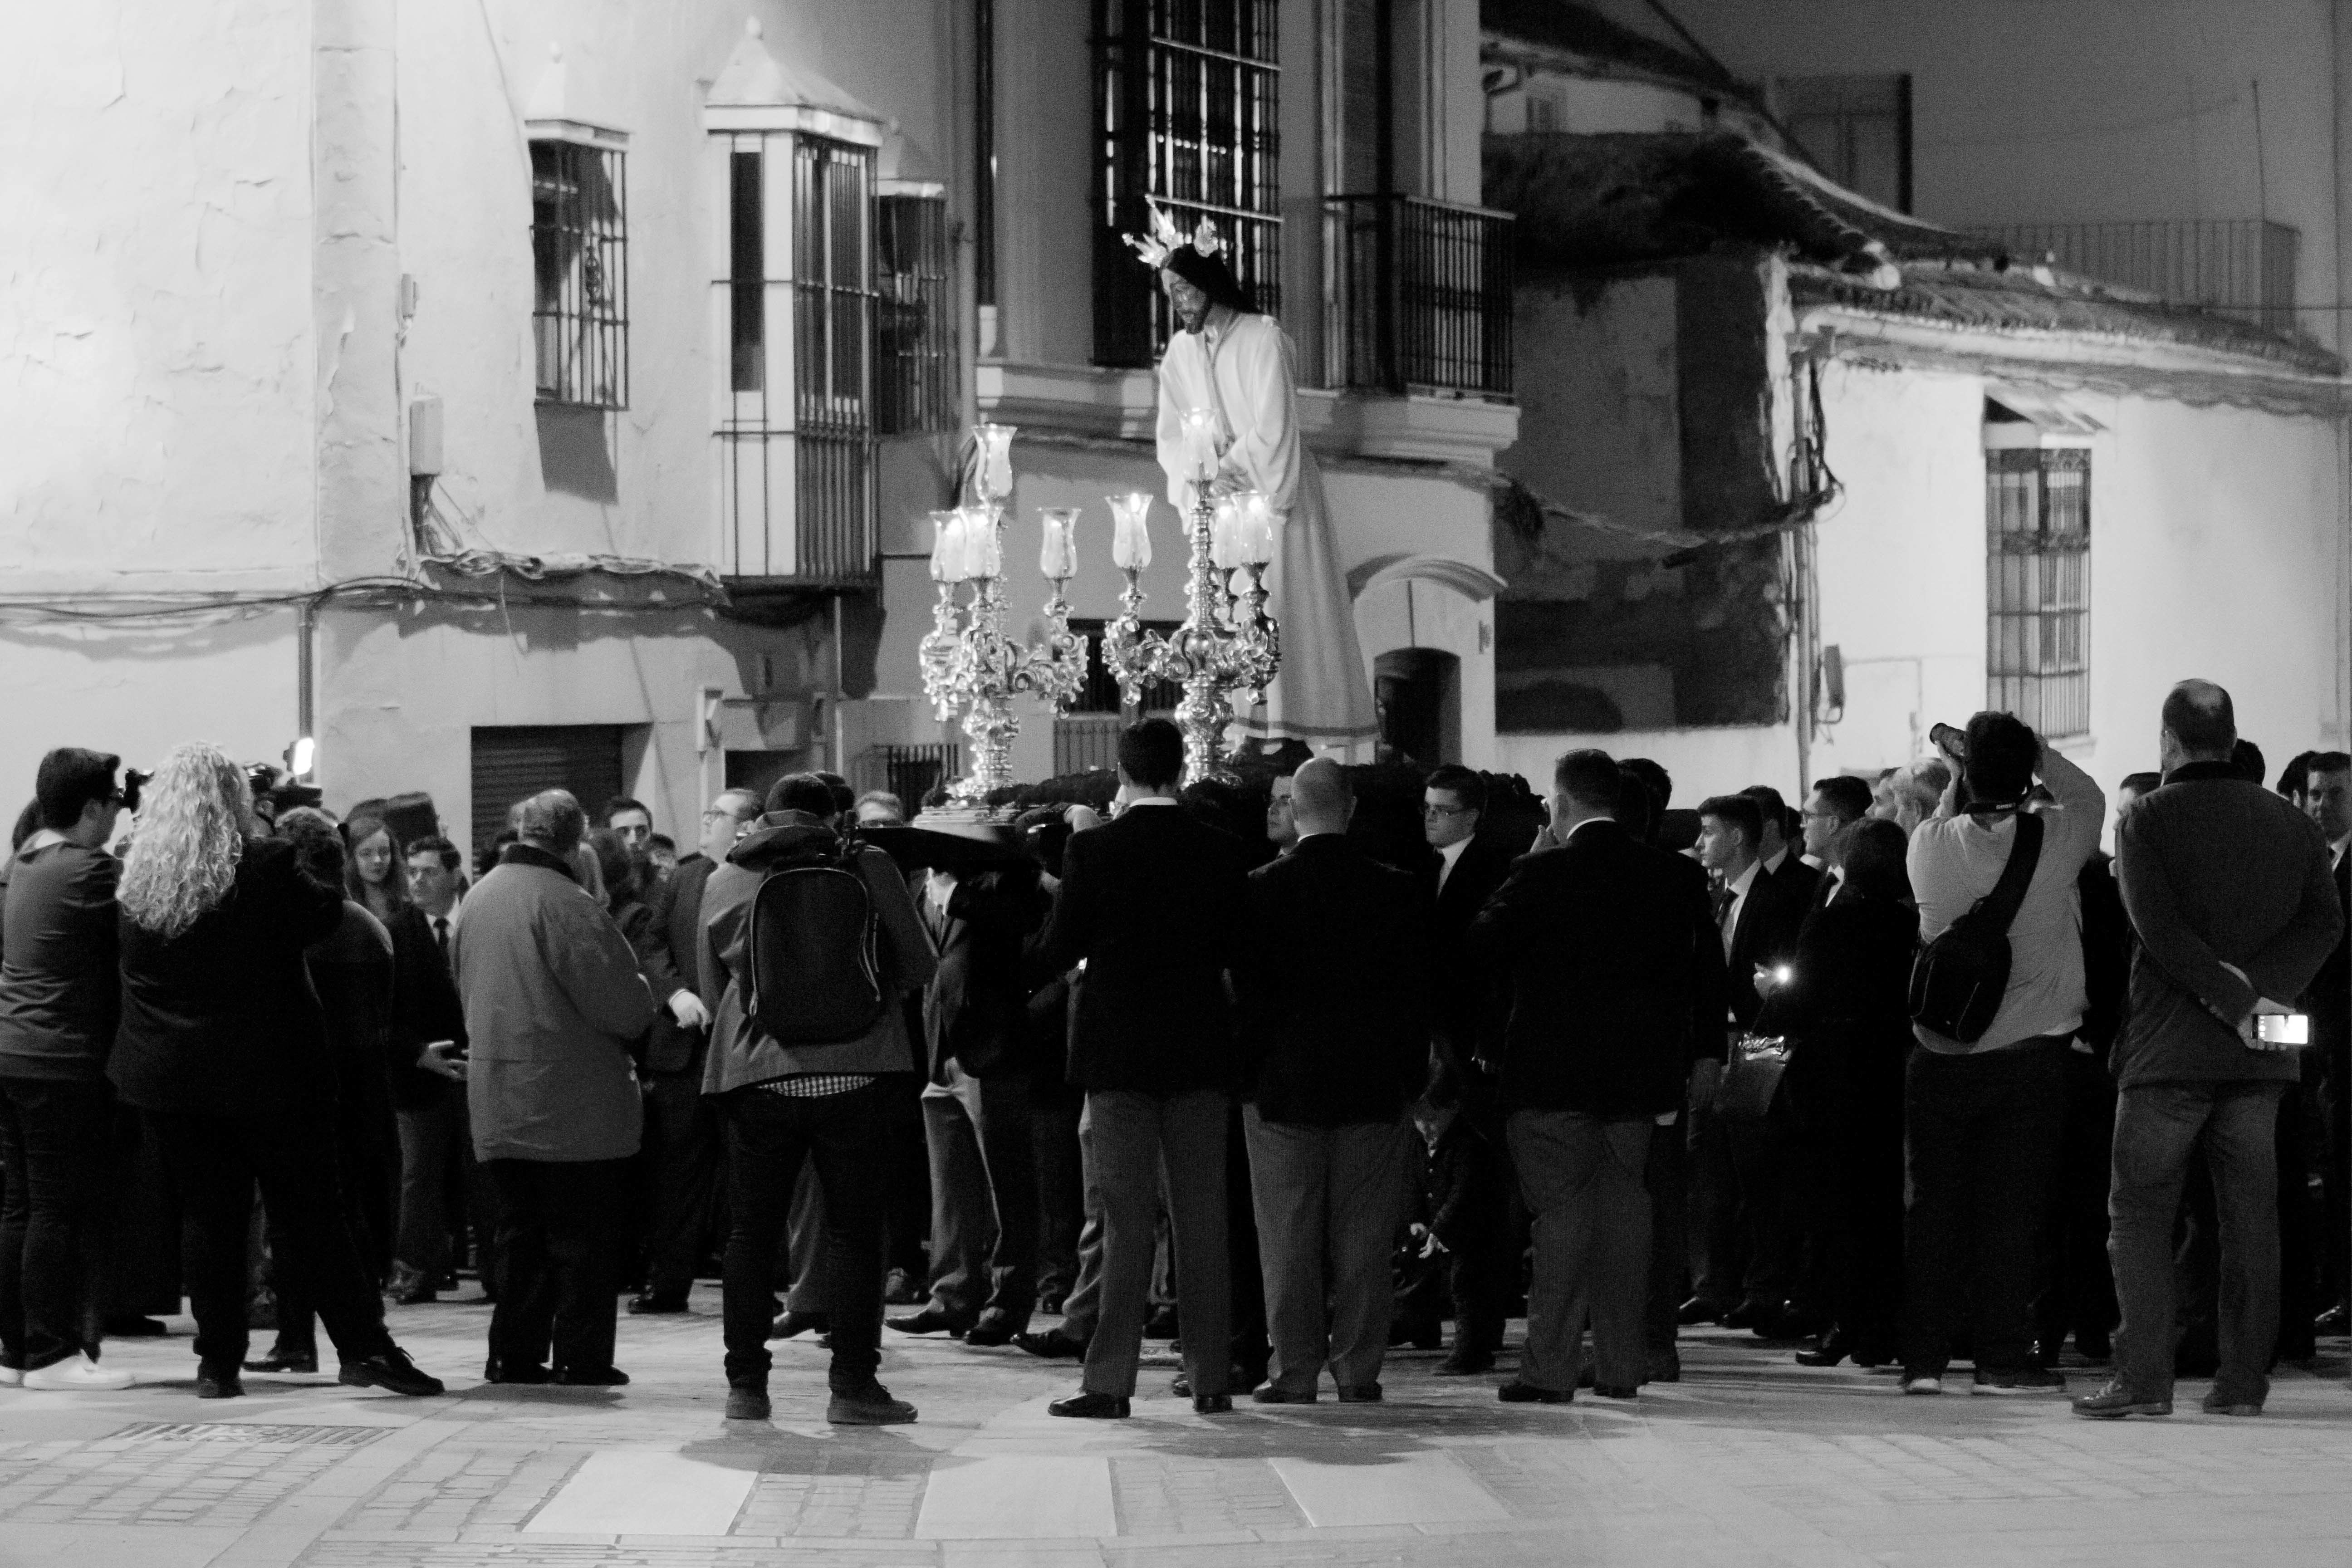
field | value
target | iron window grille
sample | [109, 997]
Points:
[580, 271]
[1416, 293]
[1186, 110]
[915, 385]
[2038, 587]
[1101, 694]
[796, 446]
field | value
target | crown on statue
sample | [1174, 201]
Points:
[1166, 237]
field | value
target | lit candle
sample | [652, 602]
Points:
[1256, 529]
[984, 556]
[946, 547]
[995, 476]
[1199, 445]
[1130, 539]
[1058, 557]
[1224, 540]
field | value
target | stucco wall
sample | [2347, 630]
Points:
[156, 325]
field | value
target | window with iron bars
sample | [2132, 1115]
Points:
[914, 370]
[1186, 110]
[796, 461]
[1101, 694]
[2038, 587]
[580, 271]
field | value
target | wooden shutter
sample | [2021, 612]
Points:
[514, 762]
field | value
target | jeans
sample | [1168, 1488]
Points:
[216, 1162]
[559, 1262]
[769, 1138]
[1327, 1200]
[1982, 1161]
[984, 1197]
[1582, 1177]
[427, 1134]
[1136, 1140]
[2157, 1127]
[53, 1143]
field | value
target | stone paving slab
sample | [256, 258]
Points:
[1750, 1460]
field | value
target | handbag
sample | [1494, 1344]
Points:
[1752, 1080]
[1958, 980]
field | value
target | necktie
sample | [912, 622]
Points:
[1726, 901]
[441, 937]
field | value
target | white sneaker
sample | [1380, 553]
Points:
[1923, 1386]
[76, 1372]
[10, 1376]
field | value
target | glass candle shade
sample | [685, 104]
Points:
[1224, 534]
[946, 547]
[1130, 539]
[983, 555]
[1199, 445]
[1255, 530]
[1057, 553]
[994, 474]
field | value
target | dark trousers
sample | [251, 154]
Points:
[53, 1150]
[2080, 1293]
[559, 1262]
[428, 1136]
[1582, 1177]
[906, 1180]
[364, 1183]
[682, 1156]
[2299, 1223]
[1718, 1250]
[769, 1138]
[1327, 1201]
[2336, 1175]
[2158, 1126]
[1982, 1160]
[1082, 1309]
[1061, 1184]
[1665, 1174]
[216, 1162]
[1136, 1140]
[983, 1179]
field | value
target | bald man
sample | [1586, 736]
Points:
[1334, 998]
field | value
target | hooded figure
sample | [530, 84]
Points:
[1236, 362]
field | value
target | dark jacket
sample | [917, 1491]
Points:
[425, 1007]
[1602, 941]
[976, 1008]
[2106, 953]
[61, 990]
[741, 1052]
[678, 925]
[1769, 922]
[351, 970]
[642, 931]
[1333, 981]
[2329, 1000]
[221, 1020]
[1154, 903]
[1847, 1005]
[1461, 1003]
[2217, 869]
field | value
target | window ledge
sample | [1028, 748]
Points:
[1123, 405]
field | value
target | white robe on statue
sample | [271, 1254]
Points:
[1243, 369]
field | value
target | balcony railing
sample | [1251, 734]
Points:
[1417, 294]
[2242, 266]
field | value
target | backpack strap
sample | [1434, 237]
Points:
[1999, 907]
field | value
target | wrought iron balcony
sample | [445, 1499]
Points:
[1417, 294]
[2241, 266]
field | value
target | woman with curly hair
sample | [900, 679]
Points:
[223, 1047]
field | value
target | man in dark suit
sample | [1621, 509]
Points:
[1462, 871]
[1599, 939]
[1778, 841]
[2328, 801]
[1153, 904]
[2230, 891]
[682, 1128]
[1739, 1254]
[1334, 1001]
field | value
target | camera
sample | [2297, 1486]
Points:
[1949, 740]
[133, 780]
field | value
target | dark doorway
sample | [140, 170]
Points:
[512, 763]
[755, 771]
[1418, 691]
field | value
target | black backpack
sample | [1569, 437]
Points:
[1959, 979]
[816, 977]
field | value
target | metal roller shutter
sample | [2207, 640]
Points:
[513, 762]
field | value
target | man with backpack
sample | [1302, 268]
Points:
[811, 944]
[1984, 1093]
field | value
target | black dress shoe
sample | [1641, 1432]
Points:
[993, 1329]
[1699, 1309]
[1053, 1345]
[218, 1382]
[1084, 1406]
[393, 1371]
[1359, 1393]
[590, 1377]
[789, 1324]
[747, 1402]
[650, 1305]
[1211, 1404]
[1828, 1351]
[135, 1328]
[1617, 1390]
[1516, 1392]
[2337, 1320]
[527, 1373]
[281, 1359]
[1665, 1366]
[929, 1321]
[1746, 1315]
[1466, 1363]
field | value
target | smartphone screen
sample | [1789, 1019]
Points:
[2284, 1028]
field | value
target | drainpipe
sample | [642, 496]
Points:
[306, 625]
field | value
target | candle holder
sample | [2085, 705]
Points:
[970, 662]
[1228, 642]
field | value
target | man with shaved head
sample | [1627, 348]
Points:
[1333, 985]
[2229, 889]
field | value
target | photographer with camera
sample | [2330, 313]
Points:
[1985, 1097]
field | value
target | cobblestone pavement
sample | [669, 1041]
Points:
[1749, 1460]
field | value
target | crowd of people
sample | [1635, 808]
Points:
[1912, 1076]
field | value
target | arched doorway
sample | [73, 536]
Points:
[1418, 693]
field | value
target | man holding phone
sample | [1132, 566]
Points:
[2229, 889]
